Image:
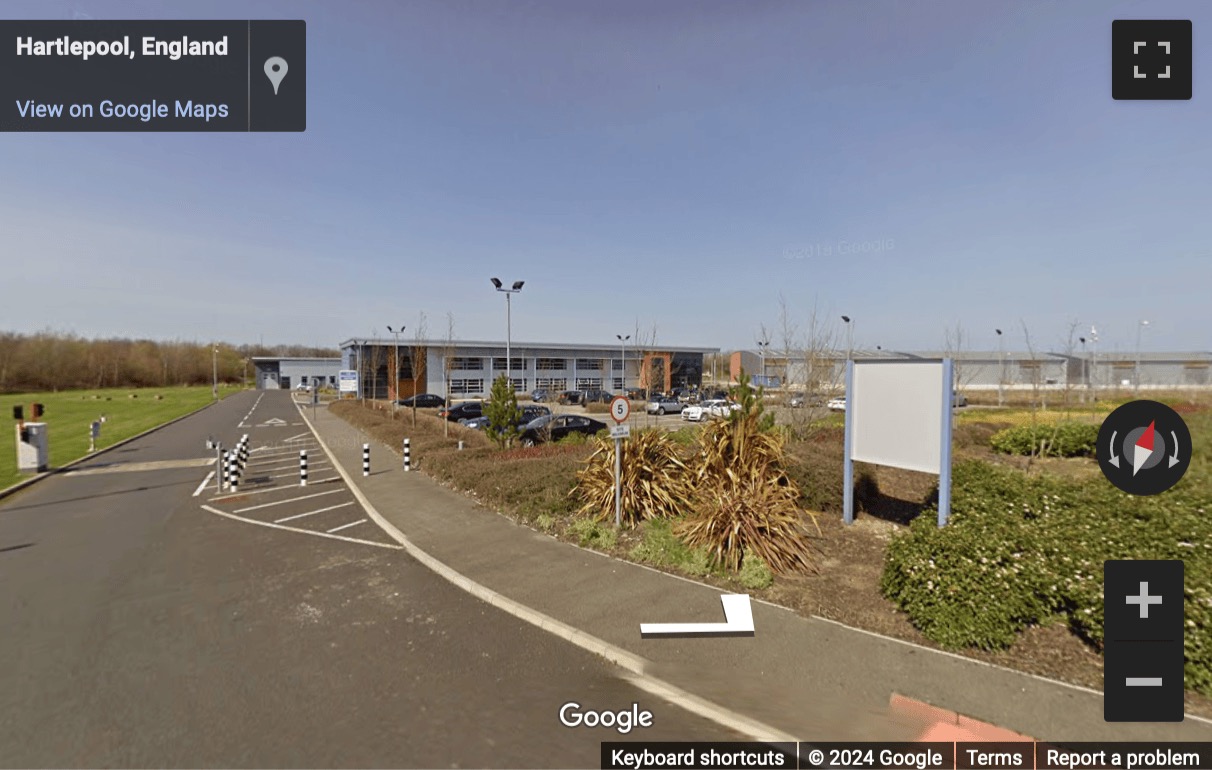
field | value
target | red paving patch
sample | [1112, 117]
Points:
[940, 724]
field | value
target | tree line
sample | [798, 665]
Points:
[54, 361]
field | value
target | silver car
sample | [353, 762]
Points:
[664, 405]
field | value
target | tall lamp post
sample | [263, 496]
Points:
[1085, 369]
[1094, 361]
[214, 373]
[1001, 369]
[763, 346]
[623, 354]
[1140, 327]
[849, 337]
[396, 333]
[517, 287]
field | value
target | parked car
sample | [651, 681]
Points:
[682, 394]
[638, 394]
[463, 410]
[596, 397]
[570, 397]
[540, 394]
[664, 405]
[423, 401]
[837, 403]
[959, 399]
[719, 407]
[696, 412]
[797, 400]
[553, 427]
[530, 413]
[302, 386]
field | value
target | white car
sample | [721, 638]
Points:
[837, 404]
[695, 413]
[720, 407]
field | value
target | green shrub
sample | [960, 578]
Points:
[754, 573]
[1022, 550]
[503, 413]
[590, 534]
[1063, 439]
[661, 548]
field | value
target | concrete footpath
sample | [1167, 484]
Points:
[807, 678]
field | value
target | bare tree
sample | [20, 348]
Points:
[418, 357]
[1069, 346]
[818, 351]
[788, 332]
[955, 343]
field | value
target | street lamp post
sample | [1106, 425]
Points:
[396, 351]
[1085, 370]
[762, 347]
[517, 287]
[214, 373]
[1140, 327]
[1094, 361]
[623, 366]
[849, 337]
[1001, 369]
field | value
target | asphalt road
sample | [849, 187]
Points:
[148, 622]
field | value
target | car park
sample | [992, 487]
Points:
[596, 397]
[463, 410]
[423, 401]
[571, 397]
[540, 394]
[554, 427]
[530, 413]
[664, 405]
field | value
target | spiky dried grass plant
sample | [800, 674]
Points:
[655, 480]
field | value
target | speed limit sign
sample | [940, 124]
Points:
[620, 409]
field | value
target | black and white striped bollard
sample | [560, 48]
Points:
[366, 459]
[302, 467]
[407, 455]
[225, 464]
[235, 476]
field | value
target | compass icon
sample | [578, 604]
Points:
[1144, 447]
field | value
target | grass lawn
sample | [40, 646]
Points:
[69, 414]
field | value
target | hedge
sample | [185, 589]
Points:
[1063, 439]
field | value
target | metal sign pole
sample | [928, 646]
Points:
[618, 491]
[944, 476]
[848, 464]
[218, 467]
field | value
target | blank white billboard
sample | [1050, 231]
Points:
[897, 414]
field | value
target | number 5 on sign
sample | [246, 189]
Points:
[620, 409]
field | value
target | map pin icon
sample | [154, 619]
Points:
[275, 70]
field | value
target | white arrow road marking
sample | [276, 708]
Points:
[274, 421]
[738, 621]
[1114, 457]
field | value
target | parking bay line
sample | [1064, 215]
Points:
[313, 513]
[268, 489]
[347, 526]
[205, 481]
[289, 500]
[300, 530]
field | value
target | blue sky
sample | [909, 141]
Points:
[679, 165]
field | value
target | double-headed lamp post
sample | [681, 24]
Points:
[1085, 369]
[214, 373]
[517, 287]
[1001, 368]
[623, 354]
[396, 333]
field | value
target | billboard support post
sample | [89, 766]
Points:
[848, 471]
[944, 467]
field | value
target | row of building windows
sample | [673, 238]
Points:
[476, 363]
[469, 386]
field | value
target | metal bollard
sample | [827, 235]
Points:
[407, 455]
[366, 459]
[302, 467]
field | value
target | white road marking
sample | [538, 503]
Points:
[288, 500]
[273, 525]
[313, 513]
[347, 526]
[154, 465]
[268, 489]
[301, 435]
[202, 486]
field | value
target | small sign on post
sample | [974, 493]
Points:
[620, 410]
[94, 433]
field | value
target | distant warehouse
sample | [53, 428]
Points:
[273, 373]
[467, 368]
